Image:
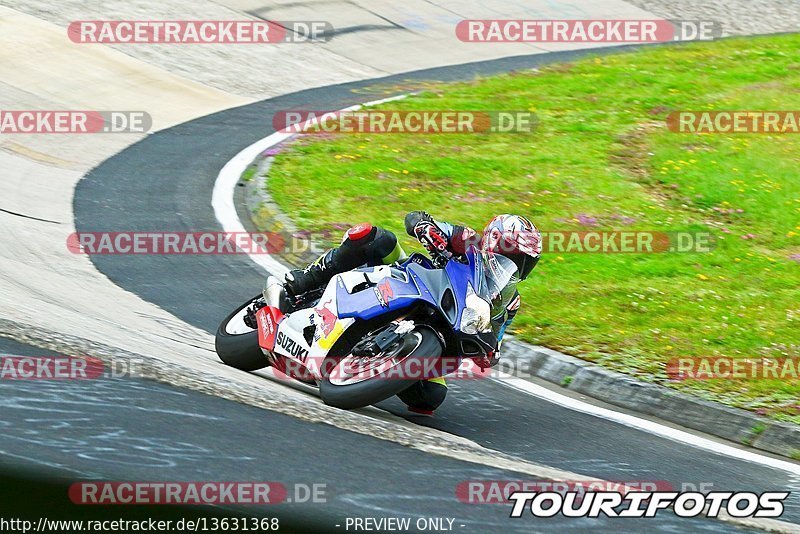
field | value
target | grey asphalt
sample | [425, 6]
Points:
[164, 183]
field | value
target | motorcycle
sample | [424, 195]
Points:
[372, 332]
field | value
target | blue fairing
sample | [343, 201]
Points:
[366, 304]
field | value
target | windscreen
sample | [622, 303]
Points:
[491, 275]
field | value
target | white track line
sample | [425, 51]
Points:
[222, 197]
[231, 173]
[225, 212]
[643, 424]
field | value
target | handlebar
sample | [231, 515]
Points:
[440, 258]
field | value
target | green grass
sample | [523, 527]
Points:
[602, 153]
[249, 173]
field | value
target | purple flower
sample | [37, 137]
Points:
[624, 219]
[586, 220]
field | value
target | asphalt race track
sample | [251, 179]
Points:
[164, 182]
[124, 429]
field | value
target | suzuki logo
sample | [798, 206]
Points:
[292, 347]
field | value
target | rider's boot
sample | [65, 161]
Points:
[425, 396]
[300, 281]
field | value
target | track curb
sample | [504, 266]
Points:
[580, 376]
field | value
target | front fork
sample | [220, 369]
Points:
[250, 318]
[273, 288]
[371, 346]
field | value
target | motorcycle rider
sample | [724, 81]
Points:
[513, 236]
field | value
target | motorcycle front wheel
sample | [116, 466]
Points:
[355, 381]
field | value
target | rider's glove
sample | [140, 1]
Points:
[490, 360]
[432, 238]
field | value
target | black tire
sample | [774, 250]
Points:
[239, 350]
[373, 390]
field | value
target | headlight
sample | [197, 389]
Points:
[476, 316]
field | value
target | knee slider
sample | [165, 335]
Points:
[358, 232]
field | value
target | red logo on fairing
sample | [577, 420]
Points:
[268, 318]
[328, 318]
[386, 292]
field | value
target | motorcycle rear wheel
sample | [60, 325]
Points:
[237, 344]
